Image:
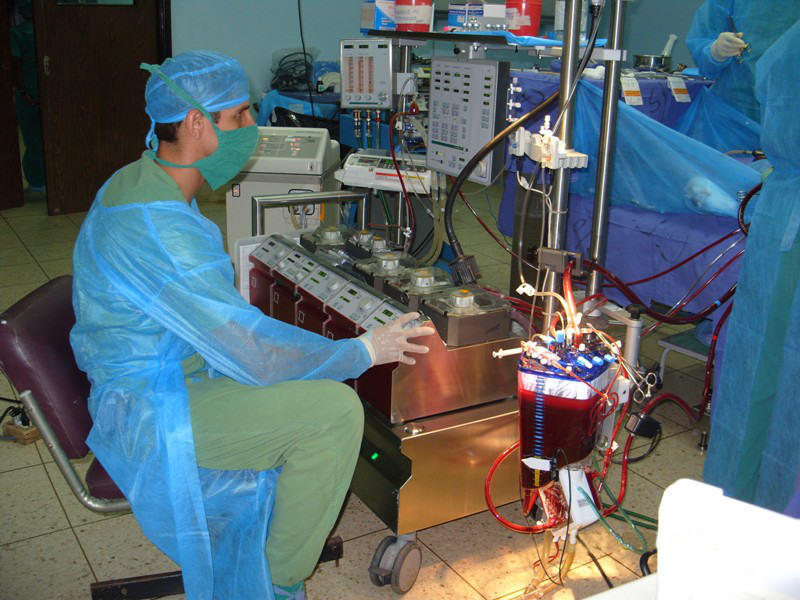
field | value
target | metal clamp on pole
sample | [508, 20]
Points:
[557, 260]
[610, 54]
[546, 148]
[260, 203]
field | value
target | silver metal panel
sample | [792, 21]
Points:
[485, 317]
[433, 470]
[448, 379]
[367, 73]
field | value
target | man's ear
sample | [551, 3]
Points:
[194, 122]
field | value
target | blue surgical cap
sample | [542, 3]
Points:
[214, 80]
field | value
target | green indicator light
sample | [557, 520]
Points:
[374, 456]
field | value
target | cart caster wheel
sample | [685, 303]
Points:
[406, 568]
[396, 562]
[376, 574]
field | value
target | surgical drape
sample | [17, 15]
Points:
[656, 167]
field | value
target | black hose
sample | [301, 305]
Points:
[473, 162]
[521, 234]
[455, 245]
[643, 561]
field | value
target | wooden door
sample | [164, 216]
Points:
[92, 90]
[10, 173]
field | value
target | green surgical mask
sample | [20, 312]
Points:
[234, 147]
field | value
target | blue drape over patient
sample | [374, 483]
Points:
[153, 286]
[655, 167]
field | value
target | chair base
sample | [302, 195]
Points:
[139, 588]
[171, 584]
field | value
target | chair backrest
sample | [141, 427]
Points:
[35, 354]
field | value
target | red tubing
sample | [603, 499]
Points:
[631, 295]
[530, 498]
[655, 402]
[623, 482]
[712, 350]
[610, 450]
[488, 229]
[698, 291]
[623, 478]
[695, 416]
[516, 302]
[684, 261]
[531, 495]
[745, 227]
[570, 298]
[411, 224]
[709, 281]
[590, 298]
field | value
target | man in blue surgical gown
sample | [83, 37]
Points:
[197, 397]
[754, 449]
[726, 39]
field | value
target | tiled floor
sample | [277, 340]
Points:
[52, 548]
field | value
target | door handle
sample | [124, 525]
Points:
[46, 65]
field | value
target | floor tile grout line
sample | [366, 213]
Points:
[626, 567]
[14, 469]
[100, 516]
[363, 535]
[33, 537]
[58, 498]
[517, 595]
[28, 248]
[19, 239]
[85, 556]
[452, 568]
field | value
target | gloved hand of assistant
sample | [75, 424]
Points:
[389, 343]
[727, 44]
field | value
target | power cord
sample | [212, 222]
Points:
[596, 562]
[291, 74]
[18, 414]
[309, 66]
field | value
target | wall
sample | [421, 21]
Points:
[251, 30]
[648, 23]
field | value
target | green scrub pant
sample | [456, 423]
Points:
[312, 429]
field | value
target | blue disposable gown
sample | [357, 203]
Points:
[761, 23]
[153, 286]
[754, 449]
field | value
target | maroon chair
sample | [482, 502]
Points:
[36, 356]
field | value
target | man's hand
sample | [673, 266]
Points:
[389, 343]
[727, 44]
